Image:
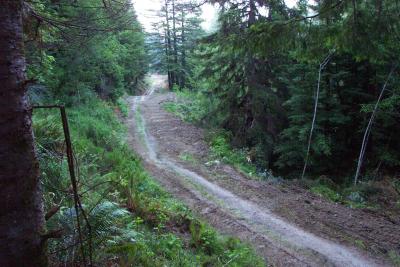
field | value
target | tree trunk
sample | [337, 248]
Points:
[252, 13]
[251, 74]
[171, 76]
[21, 212]
[170, 85]
[183, 56]
[175, 43]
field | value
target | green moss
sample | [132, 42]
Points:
[360, 244]
[187, 157]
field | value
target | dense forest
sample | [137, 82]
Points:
[305, 95]
[266, 74]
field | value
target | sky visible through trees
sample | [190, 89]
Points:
[146, 12]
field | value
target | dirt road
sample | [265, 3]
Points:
[286, 224]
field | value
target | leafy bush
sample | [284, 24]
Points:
[326, 192]
[204, 238]
[193, 107]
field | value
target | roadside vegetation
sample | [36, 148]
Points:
[134, 222]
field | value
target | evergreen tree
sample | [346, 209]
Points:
[173, 41]
[21, 217]
[261, 67]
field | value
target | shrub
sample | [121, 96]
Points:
[326, 192]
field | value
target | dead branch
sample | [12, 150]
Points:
[52, 212]
[77, 202]
[321, 68]
[54, 234]
[369, 126]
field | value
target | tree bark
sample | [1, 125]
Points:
[183, 56]
[21, 212]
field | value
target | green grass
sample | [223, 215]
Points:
[352, 196]
[140, 125]
[360, 244]
[112, 181]
[326, 192]
[179, 110]
[187, 157]
[222, 150]
[394, 257]
[192, 107]
[123, 107]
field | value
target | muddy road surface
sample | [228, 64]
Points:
[286, 224]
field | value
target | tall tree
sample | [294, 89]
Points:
[181, 27]
[21, 213]
[261, 67]
[168, 45]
